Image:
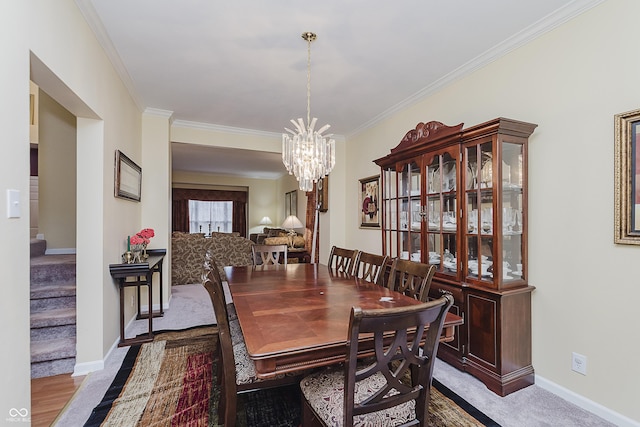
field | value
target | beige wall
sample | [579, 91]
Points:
[56, 175]
[14, 174]
[68, 63]
[570, 82]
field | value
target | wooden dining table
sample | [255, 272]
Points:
[296, 317]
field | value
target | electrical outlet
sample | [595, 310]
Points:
[579, 363]
[133, 301]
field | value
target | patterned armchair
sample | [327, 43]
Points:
[188, 253]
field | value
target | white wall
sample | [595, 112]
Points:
[570, 82]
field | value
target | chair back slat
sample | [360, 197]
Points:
[411, 278]
[269, 254]
[342, 260]
[370, 266]
[406, 343]
[227, 374]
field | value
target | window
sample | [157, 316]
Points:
[206, 217]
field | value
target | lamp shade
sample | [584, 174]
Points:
[291, 222]
[266, 221]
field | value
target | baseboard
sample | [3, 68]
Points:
[586, 404]
[60, 251]
[98, 365]
[86, 368]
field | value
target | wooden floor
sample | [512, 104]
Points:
[50, 395]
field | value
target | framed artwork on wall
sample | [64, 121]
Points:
[369, 191]
[128, 178]
[323, 194]
[627, 178]
[291, 203]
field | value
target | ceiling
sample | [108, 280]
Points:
[242, 64]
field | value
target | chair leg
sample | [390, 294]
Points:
[309, 418]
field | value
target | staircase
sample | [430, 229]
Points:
[53, 312]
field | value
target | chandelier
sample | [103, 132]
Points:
[307, 153]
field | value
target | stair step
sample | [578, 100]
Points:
[48, 269]
[41, 305]
[53, 290]
[53, 332]
[55, 317]
[53, 367]
[38, 247]
[46, 350]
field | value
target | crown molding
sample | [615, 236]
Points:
[93, 20]
[224, 129]
[532, 32]
[165, 114]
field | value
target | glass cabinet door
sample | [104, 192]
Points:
[512, 208]
[402, 224]
[410, 228]
[479, 230]
[442, 213]
[494, 206]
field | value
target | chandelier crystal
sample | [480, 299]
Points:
[307, 153]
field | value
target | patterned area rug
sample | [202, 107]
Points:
[171, 382]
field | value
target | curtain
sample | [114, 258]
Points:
[310, 222]
[181, 197]
[180, 215]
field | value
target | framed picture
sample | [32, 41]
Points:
[627, 178]
[369, 202]
[128, 178]
[323, 194]
[291, 203]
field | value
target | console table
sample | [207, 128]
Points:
[138, 275]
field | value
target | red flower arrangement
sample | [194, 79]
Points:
[142, 237]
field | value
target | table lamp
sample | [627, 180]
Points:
[266, 221]
[290, 223]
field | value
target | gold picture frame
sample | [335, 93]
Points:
[128, 178]
[627, 178]
[369, 206]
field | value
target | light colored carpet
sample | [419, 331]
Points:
[191, 306]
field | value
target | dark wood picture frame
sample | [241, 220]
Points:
[291, 203]
[323, 194]
[627, 178]
[369, 194]
[128, 178]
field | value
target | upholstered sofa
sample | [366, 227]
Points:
[188, 253]
[277, 236]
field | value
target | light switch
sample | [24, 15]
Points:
[13, 203]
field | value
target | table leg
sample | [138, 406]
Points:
[150, 286]
[121, 285]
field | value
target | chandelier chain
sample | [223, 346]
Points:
[309, 40]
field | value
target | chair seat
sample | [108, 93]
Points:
[236, 332]
[324, 391]
[245, 368]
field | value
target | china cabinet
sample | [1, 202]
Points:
[457, 198]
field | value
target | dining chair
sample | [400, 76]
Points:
[394, 387]
[235, 370]
[269, 254]
[370, 266]
[342, 260]
[411, 278]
